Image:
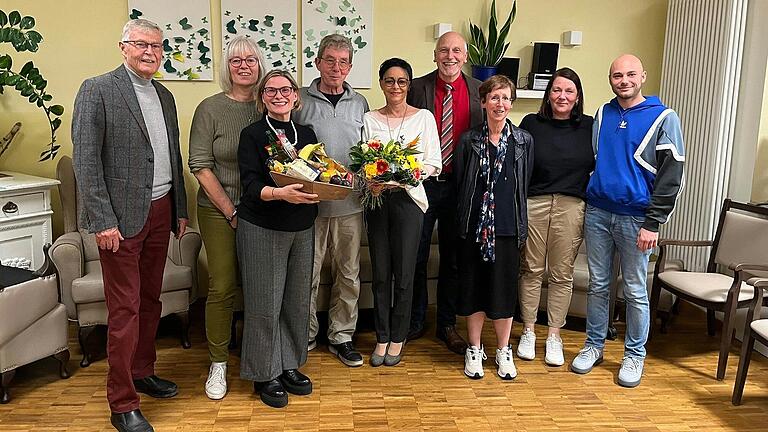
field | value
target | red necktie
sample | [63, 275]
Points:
[446, 128]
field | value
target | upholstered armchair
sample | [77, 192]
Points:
[76, 257]
[739, 251]
[34, 323]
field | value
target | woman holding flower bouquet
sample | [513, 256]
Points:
[275, 246]
[394, 215]
[493, 166]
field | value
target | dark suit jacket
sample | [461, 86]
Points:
[113, 157]
[422, 95]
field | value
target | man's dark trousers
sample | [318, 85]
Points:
[441, 194]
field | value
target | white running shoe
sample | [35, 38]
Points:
[473, 362]
[216, 384]
[505, 363]
[554, 356]
[526, 349]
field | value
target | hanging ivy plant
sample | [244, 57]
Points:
[18, 31]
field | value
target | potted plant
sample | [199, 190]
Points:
[486, 53]
[18, 31]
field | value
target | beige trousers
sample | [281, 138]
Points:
[340, 237]
[555, 233]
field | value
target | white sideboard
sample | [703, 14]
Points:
[25, 219]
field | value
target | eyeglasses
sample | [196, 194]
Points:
[330, 62]
[272, 91]
[237, 61]
[497, 99]
[144, 45]
[390, 82]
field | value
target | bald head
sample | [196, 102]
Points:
[627, 77]
[626, 62]
[450, 55]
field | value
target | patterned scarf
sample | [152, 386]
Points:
[486, 227]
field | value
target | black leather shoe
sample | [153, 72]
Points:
[156, 387]
[296, 382]
[131, 421]
[452, 340]
[272, 393]
[347, 353]
[414, 334]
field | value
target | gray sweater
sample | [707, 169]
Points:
[339, 128]
[214, 138]
[152, 111]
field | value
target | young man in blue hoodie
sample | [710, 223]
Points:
[638, 176]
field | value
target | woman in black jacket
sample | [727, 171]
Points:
[492, 170]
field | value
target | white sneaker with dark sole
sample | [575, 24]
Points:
[473, 362]
[631, 371]
[505, 363]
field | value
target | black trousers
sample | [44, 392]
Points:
[442, 209]
[393, 238]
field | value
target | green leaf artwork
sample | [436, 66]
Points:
[135, 14]
[186, 43]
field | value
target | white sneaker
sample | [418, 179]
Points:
[631, 371]
[216, 385]
[526, 349]
[473, 362]
[505, 363]
[554, 356]
[311, 345]
[586, 359]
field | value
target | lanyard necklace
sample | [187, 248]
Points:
[289, 146]
[400, 129]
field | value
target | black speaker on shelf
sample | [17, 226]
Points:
[509, 67]
[545, 57]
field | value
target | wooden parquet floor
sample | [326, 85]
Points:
[427, 391]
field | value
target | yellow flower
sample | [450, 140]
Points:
[412, 162]
[370, 170]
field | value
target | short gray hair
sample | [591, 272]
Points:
[238, 47]
[336, 41]
[139, 23]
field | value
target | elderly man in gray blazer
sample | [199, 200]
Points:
[128, 167]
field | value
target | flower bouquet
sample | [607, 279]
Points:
[380, 166]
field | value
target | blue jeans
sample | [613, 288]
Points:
[605, 233]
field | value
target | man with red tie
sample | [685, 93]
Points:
[454, 99]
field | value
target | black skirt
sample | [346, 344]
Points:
[489, 287]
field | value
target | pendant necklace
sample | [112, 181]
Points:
[622, 123]
[290, 147]
[400, 129]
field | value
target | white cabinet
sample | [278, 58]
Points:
[25, 218]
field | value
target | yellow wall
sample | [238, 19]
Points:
[80, 40]
[760, 179]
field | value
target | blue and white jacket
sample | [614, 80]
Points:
[639, 159]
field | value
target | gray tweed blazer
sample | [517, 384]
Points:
[113, 157]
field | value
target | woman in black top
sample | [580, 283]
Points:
[492, 169]
[563, 160]
[275, 246]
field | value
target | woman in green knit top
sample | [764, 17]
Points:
[213, 144]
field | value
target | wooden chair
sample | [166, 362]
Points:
[741, 245]
[755, 329]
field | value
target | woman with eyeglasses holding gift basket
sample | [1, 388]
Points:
[275, 246]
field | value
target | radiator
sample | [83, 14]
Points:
[700, 80]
